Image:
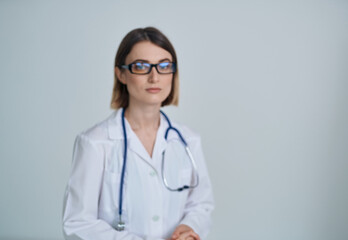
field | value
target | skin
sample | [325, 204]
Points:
[143, 111]
[184, 232]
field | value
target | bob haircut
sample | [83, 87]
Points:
[120, 95]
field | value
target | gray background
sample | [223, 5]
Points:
[263, 82]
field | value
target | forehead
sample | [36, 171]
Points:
[148, 51]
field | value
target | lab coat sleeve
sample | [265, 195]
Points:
[200, 203]
[80, 211]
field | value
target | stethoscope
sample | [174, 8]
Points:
[121, 225]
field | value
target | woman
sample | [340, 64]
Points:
[131, 179]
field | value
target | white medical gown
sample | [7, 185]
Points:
[150, 211]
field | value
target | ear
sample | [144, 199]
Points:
[120, 75]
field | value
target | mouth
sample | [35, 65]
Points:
[153, 90]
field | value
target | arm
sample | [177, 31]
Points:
[80, 213]
[200, 202]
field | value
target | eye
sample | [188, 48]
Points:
[164, 65]
[140, 66]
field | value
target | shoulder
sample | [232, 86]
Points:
[188, 133]
[99, 131]
[191, 137]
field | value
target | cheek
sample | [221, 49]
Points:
[167, 86]
[169, 81]
[133, 82]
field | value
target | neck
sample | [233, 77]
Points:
[143, 117]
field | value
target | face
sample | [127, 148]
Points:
[148, 89]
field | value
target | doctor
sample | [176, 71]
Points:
[131, 176]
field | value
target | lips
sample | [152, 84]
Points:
[153, 90]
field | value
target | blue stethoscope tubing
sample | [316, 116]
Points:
[121, 225]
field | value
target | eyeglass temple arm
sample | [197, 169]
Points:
[124, 66]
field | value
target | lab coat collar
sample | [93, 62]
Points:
[115, 125]
[134, 144]
[115, 130]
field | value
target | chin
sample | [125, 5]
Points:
[152, 100]
[155, 102]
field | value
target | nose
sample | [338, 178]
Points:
[153, 75]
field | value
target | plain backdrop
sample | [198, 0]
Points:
[263, 82]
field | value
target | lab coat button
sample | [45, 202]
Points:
[152, 173]
[155, 218]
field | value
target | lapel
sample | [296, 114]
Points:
[115, 131]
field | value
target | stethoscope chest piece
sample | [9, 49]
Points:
[120, 226]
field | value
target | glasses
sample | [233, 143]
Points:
[142, 68]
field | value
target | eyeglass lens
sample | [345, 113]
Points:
[144, 68]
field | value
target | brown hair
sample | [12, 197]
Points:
[120, 95]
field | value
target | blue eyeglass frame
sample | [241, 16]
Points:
[129, 67]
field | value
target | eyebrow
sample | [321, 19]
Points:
[146, 61]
